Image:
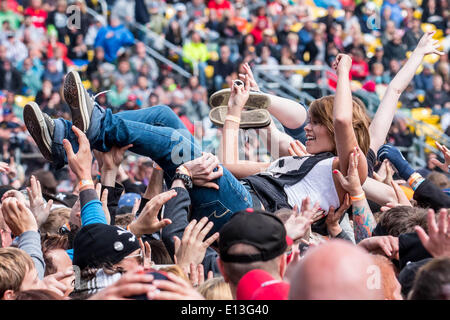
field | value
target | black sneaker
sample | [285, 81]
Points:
[41, 128]
[79, 101]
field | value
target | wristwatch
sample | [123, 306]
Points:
[183, 174]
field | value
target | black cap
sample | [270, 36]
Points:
[260, 229]
[97, 244]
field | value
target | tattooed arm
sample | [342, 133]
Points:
[363, 219]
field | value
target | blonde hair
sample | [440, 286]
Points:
[14, 265]
[322, 111]
[215, 289]
[176, 270]
[56, 219]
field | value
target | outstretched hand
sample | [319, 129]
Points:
[239, 95]
[445, 166]
[298, 223]
[351, 183]
[79, 162]
[437, 241]
[192, 247]
[342, 64]
[38, 206]
[249, 75]
[148, 222]
[427, 45]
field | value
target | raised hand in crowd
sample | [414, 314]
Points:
[197, 274]
[104, 200]
[38, 205]
[147, 250]
[444, 166]
[428, 45]
[385, 174]
[363, 220]
[192, 247]
[334, 216]
[132, 283]
[385, 245]
[80, 162]
[202, 172]
[148, 222]
[437, 241]
[18, 217]
[249, 76]
[75, 214]
[109, 163]
[176, 288]
[298, 224]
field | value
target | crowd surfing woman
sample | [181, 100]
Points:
[158, 133]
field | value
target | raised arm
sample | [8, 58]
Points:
[343, 118]
[230, 135]
[383, 117]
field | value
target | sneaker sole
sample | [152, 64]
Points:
[74, 95]
[255, 100]
[257, 118]
[35, 123]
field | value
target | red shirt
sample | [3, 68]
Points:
[38, 15]
[225, 5]
[359, 69]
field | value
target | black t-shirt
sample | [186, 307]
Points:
[371, 160]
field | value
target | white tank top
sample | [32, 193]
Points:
[318, 184]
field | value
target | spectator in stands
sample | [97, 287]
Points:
[39, 16]
[142, 91]
[424, 80]
[195, 55]
[31, 79]
[396, 49]
[223, 68]
[157, 22]
[124, 72]
[437, 96]
[220, 6]
[360, 68]
[53, 75]
[141, 57]
[124, 10]
[112, 38]
[58, 18]
[119, 94]
[395, 11]
[16, 50]
[8, 15]
[413, 35]
[196, 108]
[181, 17]
[10, 78]
[268, 41]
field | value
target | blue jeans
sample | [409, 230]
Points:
[158, 133]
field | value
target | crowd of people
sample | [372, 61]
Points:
[128, 199]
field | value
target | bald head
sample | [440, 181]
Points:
[336, 270]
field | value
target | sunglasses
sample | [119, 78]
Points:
[140, 255]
